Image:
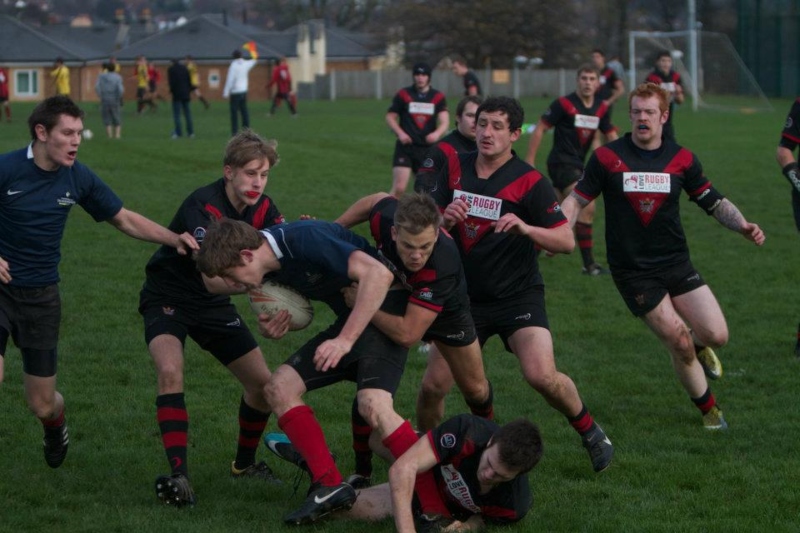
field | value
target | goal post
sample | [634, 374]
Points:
[713, 73]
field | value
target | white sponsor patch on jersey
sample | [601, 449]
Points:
[588, 122]
[458, 488]
[480, 206]
[668, 86]
[421, 108]
[646, 182]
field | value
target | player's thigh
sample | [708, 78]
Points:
[285, 390]
[533, 346]
[465, 362]
[666, 323]
[438, 375]
[167, 353]
[703, 314]
[251, 370]
[372, 504]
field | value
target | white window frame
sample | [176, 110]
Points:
[34, 75]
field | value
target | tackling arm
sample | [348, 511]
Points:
[402, 475]
[139, 227]
[359, 211]
[408, 329]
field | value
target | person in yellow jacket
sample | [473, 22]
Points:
[60, 75]
[194, 78]
[143, 97]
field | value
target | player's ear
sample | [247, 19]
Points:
[394, 233]
[227, 171]
[247, 256]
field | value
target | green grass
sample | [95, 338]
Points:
[669, 474]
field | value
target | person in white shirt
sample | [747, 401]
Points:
[236, 89]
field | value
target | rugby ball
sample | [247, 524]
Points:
[273, 297]
[87, 134]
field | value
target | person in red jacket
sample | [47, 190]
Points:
[4, 93]
[282, 81]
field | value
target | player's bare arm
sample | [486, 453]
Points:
[729, 216]
[442, 123]
[405, 330]
[619, 90]
[393, 121]
[535, 142]
[359, 211]
[572, 206]
[139, 227]
[374, 281]
[402, 474]
[5, 275]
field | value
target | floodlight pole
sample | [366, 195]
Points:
[692, 9]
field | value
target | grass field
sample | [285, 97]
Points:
[669, 474]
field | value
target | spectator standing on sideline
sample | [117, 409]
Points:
[4, 93]
[180, 85]
[60, 76]
[498, 210]
[790, 138]
[282, 81]
[109, 89]
[641, 177]
[153, 79]
[43, 182]
[143, 97]
[112, 65]
[576, 117]
[418, 117]
[665, 77]
[236, 85]
[472, 85]
[176, 302]
[194, 76]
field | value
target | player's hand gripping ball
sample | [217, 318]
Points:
[273, 297]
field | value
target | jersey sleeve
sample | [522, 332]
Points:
[790, 137]
[268, 215]
[430, 289]
[448, 438]
[96, 197]
[553, 114]
[435, 160]
[398, 105]
[542, 205]
[699, 188]
[441, 104]
[322, 246]
[381, 220]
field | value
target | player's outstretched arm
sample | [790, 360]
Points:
[359, 211]
[572, 206]
[137, 226]
[535, 142]
[729, 216]
[402, 475]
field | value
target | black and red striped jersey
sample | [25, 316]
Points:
[418, 112]
[608, 79]
[575, 127]
[790, 136]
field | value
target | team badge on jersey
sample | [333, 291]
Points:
[199, 234]
[480, 206]
[448, 440]
[646, 191]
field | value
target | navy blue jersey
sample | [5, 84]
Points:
[498, 265]
[790, 136]
[641, 190]
[418, 112]
[314, 256]
[34, 205]
[575, 128]
[458, 445]
[174, 278]
[439, 285]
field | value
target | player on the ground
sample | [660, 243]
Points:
[499, 209]
[418, 117]
[426, 260]
[319, 259]
[40, 184]
[472, 85]
[175, 303]
[576, 117]
[641, 177]
[790, 138]
[460, 140]
[668, 79]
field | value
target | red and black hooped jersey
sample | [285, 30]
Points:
[641, 190]
[440, 285]
[458, 444]
[790, 137]
[497, 265]
[575, 126]
[175, 277]
[418, 112]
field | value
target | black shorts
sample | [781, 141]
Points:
[409, 155]
[504, 317]
[3, 99]
[217, 329]
[141, 92]
[796, 207]
[32, 316]
[643, 290]
[454, 329]
[563, 175]
[375, 362]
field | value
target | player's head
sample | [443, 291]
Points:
[246, 165]
[497, 126]
[598, 58]
[507, 106]
[515, 449]
[588, 79]
[422, 75]
[415, 229]
[664, 61]
[59, 61]
[648, 106]
[466, 111]
[237, 54]
[227, 252]
[459, 66]
[188, 58]
[57, 123]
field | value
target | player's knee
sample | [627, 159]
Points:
[718, 338]
[476, 391]
[42, 407]
[433, 388]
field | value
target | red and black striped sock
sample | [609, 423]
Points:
[583, 422]
[251, 426]
[361, 433]
[583, 234]
[705, 402]
[173, 421]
